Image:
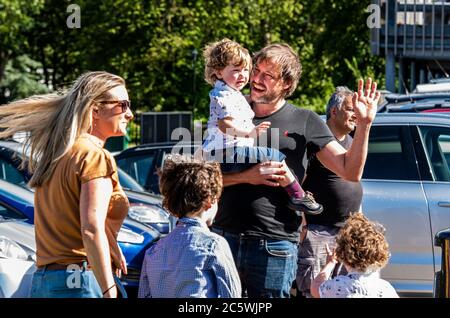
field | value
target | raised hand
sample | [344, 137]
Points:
[365, 101]
[331, 257]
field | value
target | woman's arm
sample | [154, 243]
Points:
[94, 202]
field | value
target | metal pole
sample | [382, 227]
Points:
[432, 28]
[413, 82]
[390, 71]
[401, 77]
[422, 75]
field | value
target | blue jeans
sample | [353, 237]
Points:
[241, 158]
[266, 267]
[68, 284]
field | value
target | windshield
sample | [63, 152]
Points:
[127, 182]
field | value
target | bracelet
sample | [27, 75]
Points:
[109, 289]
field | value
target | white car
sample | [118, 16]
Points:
[17, 257]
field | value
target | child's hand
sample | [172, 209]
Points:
[331, 257]
[261, 128]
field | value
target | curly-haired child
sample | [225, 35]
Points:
[191, 261]
[364, 251]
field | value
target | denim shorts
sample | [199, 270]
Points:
[68, 284]
[241, 158]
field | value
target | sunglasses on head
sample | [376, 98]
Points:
[124, 104]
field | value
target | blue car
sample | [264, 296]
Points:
[145, 207]
[134, 237]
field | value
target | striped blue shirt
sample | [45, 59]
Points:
[191, 261]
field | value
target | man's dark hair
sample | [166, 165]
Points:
[187, 184]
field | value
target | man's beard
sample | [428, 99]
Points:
[267, 98]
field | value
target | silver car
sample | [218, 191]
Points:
[406, 185]
[17, 243]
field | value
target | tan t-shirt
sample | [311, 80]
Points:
[57, 204]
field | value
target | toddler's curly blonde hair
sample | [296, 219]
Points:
[219, 54]
[361, 244]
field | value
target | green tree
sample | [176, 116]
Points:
[157, 45]
[21, 79]
[15, 21]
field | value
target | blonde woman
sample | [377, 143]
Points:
[364, 251]
[79, 203]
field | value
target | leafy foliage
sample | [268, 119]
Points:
[21, 79]
[157, 45]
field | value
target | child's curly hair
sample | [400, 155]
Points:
[219, 54]
[361, 244]
[187, 184]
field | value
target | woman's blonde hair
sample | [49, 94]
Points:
[219, 54]
[53, 121]
[361, 244]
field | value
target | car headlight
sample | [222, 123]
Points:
[127, 236]
[10, 249]
[148, 213]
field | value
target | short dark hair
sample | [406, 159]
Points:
[187, 184]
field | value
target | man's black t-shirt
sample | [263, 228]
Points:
[262, 210]
[338, 196]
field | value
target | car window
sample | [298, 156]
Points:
[391, 154]
[139, 167]
[8, 213]
[437, 145]
[9, 172]
[128, 182]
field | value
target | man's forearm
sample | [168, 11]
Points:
[233, 178]
[355, 158]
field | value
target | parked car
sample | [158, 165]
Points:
[145, 207]
[434, 86]
[406, 186]
[442, 277]
[416, 103]
[142, 162]
[17, 251]
[134, 237]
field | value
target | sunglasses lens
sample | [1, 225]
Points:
[125, 105]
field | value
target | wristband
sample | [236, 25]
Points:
[108, 289]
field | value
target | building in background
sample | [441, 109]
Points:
[414, 35]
